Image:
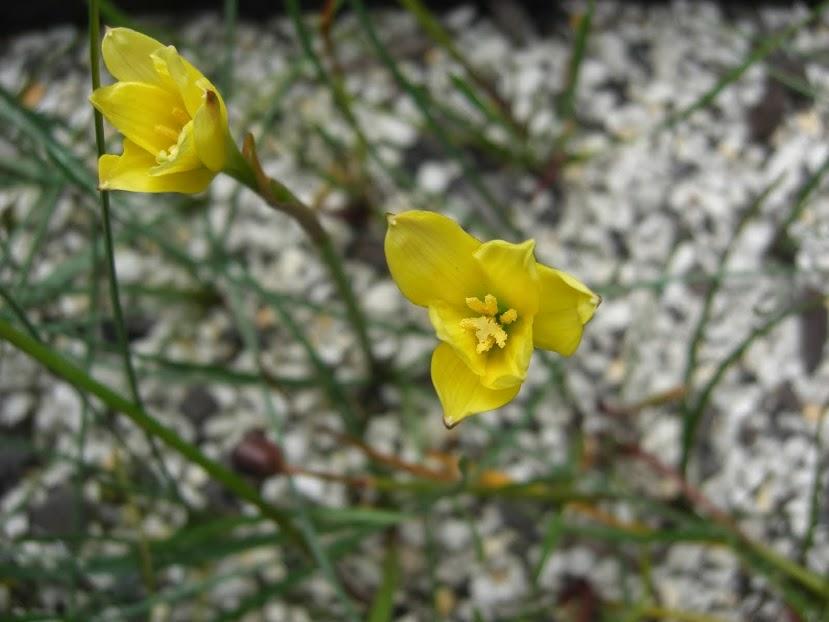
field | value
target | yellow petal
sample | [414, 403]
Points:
[565, 306]
[190, 81]
[141, 112]
[127, 55]
[211, 132]
[511, 274]
[430, 258]
[507, 367]
[181, 157]
[460, 390]
[131, 171]
[447, 319]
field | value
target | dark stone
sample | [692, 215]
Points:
[640, 52]
[580, 598]
[257, 455]
[230, 344]
[618, 87]
[683, 170]
[515, 20]
[137, 326]
[518, 520]
[813, 330]
[220, 499]
[765, 117]
[198, 404]
[16, 456]
[620, 246]
[784, 399]
[56, 515]
[426, 148]
[366, 244]
[705, 455]
[795, 69]
[783, 248]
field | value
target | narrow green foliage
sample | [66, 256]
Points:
[421, 99]
[567, 101]
[69, 372]
[762, 51]
[52, 307]
[382, 606]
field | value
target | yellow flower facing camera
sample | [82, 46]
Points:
[490, 303]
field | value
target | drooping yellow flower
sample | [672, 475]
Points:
[173, 119]
[490, 304]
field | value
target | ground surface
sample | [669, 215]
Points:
[653, 208]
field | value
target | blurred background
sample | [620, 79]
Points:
[670, 155]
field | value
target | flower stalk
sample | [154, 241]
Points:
[112, 275]
[246, 168]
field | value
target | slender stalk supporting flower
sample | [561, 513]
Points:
[245, 167]
[112, 275]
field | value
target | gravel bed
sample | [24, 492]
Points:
[639, 220]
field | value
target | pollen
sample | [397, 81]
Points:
[487, 331]
[488, 307]
[508, 317]
[488, 328]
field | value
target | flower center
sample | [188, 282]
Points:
[172, 133]
[488, 328]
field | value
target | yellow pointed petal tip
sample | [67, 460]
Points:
[566, 306]
[173, 117]
[490, 303]
[460, 390]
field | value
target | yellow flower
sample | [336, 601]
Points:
[173, 119]
[490, 304]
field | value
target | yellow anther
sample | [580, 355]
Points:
[180, 115]
[508, 317]
[166, 132]
[488, 307]
[166, 155]
[487, 331]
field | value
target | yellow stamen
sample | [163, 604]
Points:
[488, 328]
[180, 115]
[166, 132]
[167, 155]
[487, 331]
[508, 317]
[488, 307]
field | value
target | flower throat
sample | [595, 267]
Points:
[488, 328]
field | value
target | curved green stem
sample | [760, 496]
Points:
[245, 168]
[112, 275]
[694, 413]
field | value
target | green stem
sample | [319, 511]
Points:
[423, 101]
[18, 312]
[247, 170]
[74, 375]
[693, 416]
[815, 496]
[716, 282]
[112, 275]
